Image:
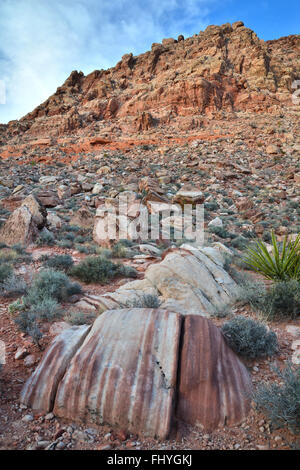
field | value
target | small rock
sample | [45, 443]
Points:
[21, 353]
[27, 418]
[29, 360]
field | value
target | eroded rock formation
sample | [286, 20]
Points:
[141, 370]
[222, 69]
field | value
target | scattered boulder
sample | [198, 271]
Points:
[216, 222]
[53, 221]
[20, 228]
[272, 149]
[83, 218]
[38, 211]
[188, 195]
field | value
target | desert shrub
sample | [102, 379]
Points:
[95, 269]
[251, 292]
[220, 231]
[60, 262]
[211, 206]
[45, 238]
[144, 301]
[282, 300]
[281, 402]
[16, 306]
[240, 243]
[119, 250]
[13, 286]
[82, 249]
[53, 284]
[81, 239]
[222, 311]
[100, 269]
[65, 243]
[5, 272]
[80, 318]
[27, 323]
[127, 271]
[8, 256]
[250, 338]
[282, 264]
[47, 309]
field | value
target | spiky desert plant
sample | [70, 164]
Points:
[280, 265]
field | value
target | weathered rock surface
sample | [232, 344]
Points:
[206, 394]
[222, 69]
[133, 371]
[126, 372]
[40, 390]
[189, 280]
[20, 227]
[24, 223]
[38, 211]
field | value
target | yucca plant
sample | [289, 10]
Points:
[281, 265]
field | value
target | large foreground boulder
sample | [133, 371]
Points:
[142, 370]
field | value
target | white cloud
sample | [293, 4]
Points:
[41, 42]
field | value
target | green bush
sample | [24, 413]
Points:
[144, 301]
[281, 265]
[281, 402]
[53, 284]
[119, 250]
[282, 300]
[100, 269]
[47, 309]
[5, 272]
[79, 318]
[251, 292]
[13, 286]
[249, 338]
[46, 238]
[27, 323]
[60, 262]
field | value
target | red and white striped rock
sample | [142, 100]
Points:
[214, 383]
[142, 370]
[125, 372]
[40, 389]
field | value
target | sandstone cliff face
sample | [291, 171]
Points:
[222, 69]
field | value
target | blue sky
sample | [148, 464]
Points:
[42, 41]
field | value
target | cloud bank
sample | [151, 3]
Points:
[42, 41]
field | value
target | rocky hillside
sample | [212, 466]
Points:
[179, 85]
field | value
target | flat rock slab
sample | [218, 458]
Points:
[142, 370]
[125, 372]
